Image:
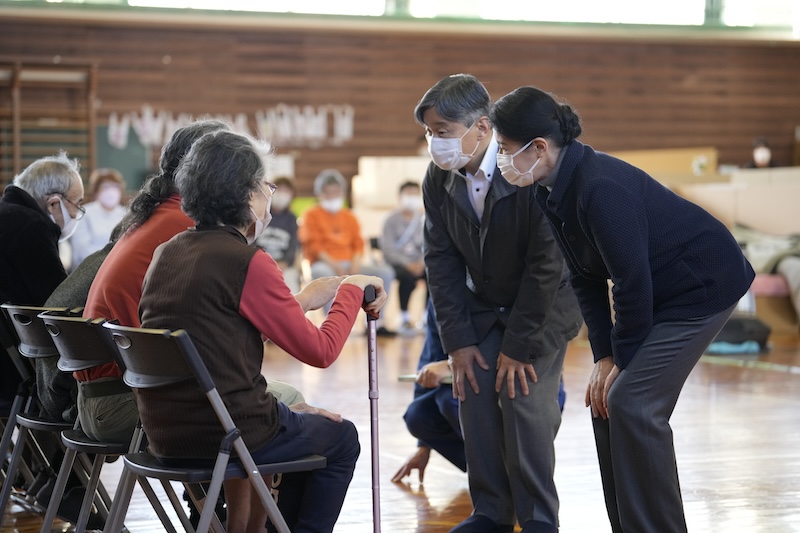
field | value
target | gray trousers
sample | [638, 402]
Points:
[509, 443]
[634, 446]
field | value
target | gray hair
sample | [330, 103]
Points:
[217, 176]
[48, 175]
[458, 98]
[327, 177]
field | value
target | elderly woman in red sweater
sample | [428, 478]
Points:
[229, 296]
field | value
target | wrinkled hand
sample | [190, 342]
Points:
[417, 461]
[432, 374]
[509, 369]
[462, 362]
[303, 407]
[362, 281]
[318, 292]
[604, 374]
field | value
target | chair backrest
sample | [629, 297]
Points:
[152, 357]
[34, 340]
[81, 342]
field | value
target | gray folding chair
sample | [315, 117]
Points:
[23, 394]
[160, 358]
[82, 343]
[33, 342]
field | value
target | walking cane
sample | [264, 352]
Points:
[369, 296]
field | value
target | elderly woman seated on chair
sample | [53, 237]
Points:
[229, 296]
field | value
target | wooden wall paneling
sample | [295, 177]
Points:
[50, 107]
[630, 93]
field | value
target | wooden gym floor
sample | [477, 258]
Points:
[736, 426]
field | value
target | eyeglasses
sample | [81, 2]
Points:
[81, 210]
[271, 186]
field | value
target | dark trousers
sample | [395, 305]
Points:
[433, 419]
[635, 446]
[302, 434]
[406, 283]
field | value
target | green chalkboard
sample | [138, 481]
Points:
[133, 162]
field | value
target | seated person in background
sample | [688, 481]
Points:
[227, 296]
[432, 417]
[103, 213]
[105, 405]
[331, 236]
[762, 155]
[39, 210]
[279, 239]
[401, 244]
[57, 390]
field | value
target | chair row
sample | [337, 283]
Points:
[149, 358]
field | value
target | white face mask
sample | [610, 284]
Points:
[261, 223]
[109, 197]
[762, 155]
[69, 223]
[411, 202]
[332, 205]
[447, 153]
[505, 162]
[281, 200]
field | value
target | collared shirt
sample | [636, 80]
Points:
[478, 183]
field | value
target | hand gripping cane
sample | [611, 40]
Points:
[369, 296]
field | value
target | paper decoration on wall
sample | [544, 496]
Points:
[149, 126]
[118, 129]
[282, 125]
[287, 125]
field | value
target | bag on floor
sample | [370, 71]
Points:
[743, 331]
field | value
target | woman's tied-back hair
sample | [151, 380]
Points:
[458, 98]
[527, 113]
[161, 186]
[218, 175]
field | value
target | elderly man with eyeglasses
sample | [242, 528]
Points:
[40, 209]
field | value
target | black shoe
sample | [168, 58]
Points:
[43, 494]
[70, 508]
[39, 481]
[479, 523]
[535, 526]
[383, 332]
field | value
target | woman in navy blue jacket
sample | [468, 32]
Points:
[676, 274]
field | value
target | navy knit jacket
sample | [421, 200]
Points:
[667, 258]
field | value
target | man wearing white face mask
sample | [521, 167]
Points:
[505, 312]
[401, 244]
[102, 214]
[40, 209]
[331, 237]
